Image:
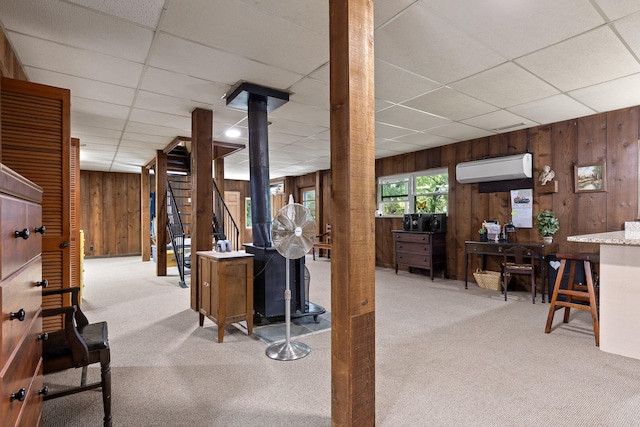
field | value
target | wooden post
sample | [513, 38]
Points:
[161, 213]
[145, 214]
[352, 226]
[201, 194]
[218, 170]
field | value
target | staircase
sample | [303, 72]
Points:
[179, 212]
[223, 225]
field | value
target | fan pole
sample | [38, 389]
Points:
[287, 350]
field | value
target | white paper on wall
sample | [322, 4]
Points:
[522, 208]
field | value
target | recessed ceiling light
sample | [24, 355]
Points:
[233, 133]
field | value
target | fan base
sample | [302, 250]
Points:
[287, 351]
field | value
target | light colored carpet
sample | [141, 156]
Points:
[445, 356]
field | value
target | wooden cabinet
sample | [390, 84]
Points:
[417, 249]
[225, 282]
[21, 301]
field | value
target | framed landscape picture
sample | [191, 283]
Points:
[590, 178]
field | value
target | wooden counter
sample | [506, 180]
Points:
[619, 290]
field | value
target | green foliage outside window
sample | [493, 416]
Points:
[309, 201]
[247, 213]
[415, 193]
[432, 193]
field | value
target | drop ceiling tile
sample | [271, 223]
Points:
[83, 88]
[628, 29]
[97, 108]
[290, 127]
[314, 144]
[310, 91]
[312, 14]
[302, 113]
[156, 130]
[51, 56]
[385, 131]
[322, 73]
[152, 139]
[93, 120]
[167, 104]
[616, 9]
[134, 159]
[425, 140]
[611, 95]
[132, 145]
[183, 86]
[278, 139]
[420, 42]
[383, 152]
[505, 85]
[99, 151]
[124, 168]
[382, 105]
[450, 104]
[96, 140]
[516, 28]
[588, 59]
[149, 150]
[553, 109]
[177, 55]
[459, 132]
[180, 123]
[82, 131]
[409, 118]
[397, 85]
[143, 12]
[92, 31]
[227, 26]
[399, 146]
[500, 121]
[385, 10]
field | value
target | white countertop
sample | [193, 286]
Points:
[623, 237]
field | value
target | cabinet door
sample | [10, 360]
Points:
[204, 282]
[36, 138]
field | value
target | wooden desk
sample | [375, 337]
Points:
[483, 249]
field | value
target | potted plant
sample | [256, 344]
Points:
[547, 224]
[483, 234]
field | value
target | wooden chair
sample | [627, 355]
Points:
[323, 241]
[78, 345]
[518, 260]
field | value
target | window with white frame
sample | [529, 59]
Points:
[418, 192]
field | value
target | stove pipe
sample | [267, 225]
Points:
[259, 170]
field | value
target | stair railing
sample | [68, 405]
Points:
[223, 225]
[177, 234]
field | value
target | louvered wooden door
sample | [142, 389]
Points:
[36, 143]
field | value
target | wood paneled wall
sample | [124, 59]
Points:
[110, 213]
[608, 137]
[112, 222]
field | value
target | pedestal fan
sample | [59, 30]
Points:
[293, 233]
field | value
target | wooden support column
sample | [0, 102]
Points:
[201, 193]
[218, 170]
[161, 213]
[353, 206]
[145, 214]
[319, 204]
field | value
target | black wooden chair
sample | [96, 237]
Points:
[518, 260]
[78, 345]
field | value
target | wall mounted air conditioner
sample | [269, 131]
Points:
[517, 166]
